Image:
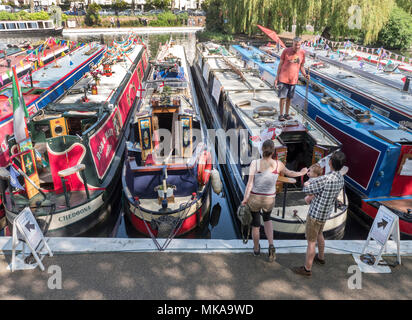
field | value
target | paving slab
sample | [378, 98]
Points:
[198, 276]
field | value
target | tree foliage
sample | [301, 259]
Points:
[242, 16]
[119, 5]
[405, 5]
[23, 15]
[397, 33]
[92, 17]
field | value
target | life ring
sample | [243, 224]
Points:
[265, 111]
[204, 167]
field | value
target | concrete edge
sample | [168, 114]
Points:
[137, 29]
[102, 245]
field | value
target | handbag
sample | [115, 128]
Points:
[245, 216]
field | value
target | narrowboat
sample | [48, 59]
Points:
[378, 150]
[77, 146]
[29, 28]
[45, 85]
[25, 59]
[237, 101]
[167, 170]
[385, 90]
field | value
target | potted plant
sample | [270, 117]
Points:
[161, 192]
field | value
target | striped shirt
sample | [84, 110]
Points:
[326, 188]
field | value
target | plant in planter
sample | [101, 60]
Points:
[161, 192]
[165, 96]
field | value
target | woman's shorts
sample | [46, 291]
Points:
[257, 203]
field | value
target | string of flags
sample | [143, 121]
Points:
[35, 56]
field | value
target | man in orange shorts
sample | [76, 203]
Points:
[291, 61]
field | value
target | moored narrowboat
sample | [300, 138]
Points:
[75, 154]
[46, 84]
[378, 150]
[166, 174]
[237, 100]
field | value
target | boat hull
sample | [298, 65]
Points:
[32, 33]
[141, 220]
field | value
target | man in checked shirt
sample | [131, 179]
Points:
[325, 188]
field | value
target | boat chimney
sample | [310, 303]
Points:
[406, 84]
[8, 63]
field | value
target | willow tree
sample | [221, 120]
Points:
[242, 16]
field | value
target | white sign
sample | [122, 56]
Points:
[26, 229]
[382, 225]
[71, 23]
[407, 168]
[216, 90]
[206, 71]
[386, 224]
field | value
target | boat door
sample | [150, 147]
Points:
[187, 141]
[145, 131]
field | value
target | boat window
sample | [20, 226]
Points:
[41, 26]
[32, 25]
[11, 25]
[2, 26]
[22, 25]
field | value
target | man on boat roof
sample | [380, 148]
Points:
[291, 61]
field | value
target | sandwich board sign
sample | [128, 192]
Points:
[386, 224]
[27, 231]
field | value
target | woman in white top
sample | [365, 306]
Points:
[260, 193]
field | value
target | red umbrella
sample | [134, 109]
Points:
[272, 34]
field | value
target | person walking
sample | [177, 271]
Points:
[260, 193]
[112, 24]
[291, 61]
[325, 188]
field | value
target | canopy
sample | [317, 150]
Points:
[272, 34]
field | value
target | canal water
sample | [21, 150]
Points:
[220, 223]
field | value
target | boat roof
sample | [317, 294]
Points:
[253, 92]
[386, 86]
[182, 86]
[107, 85]
[45, 77]
[379, 121]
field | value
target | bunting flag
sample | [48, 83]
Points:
[369, 58]
[13, 178]
[359, 58]
[1, 80]
[403, 79]
[361, 64]
[19, 111]
[63, 54]
[21, 63]
[71, 63]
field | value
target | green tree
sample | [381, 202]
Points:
[397, 33]
[92, 15]
[119, 5]
[158, 4]
[405, 5]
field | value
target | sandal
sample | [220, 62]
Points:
[256, 253]
[272, 253]
[281, 118]
[287, 117]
